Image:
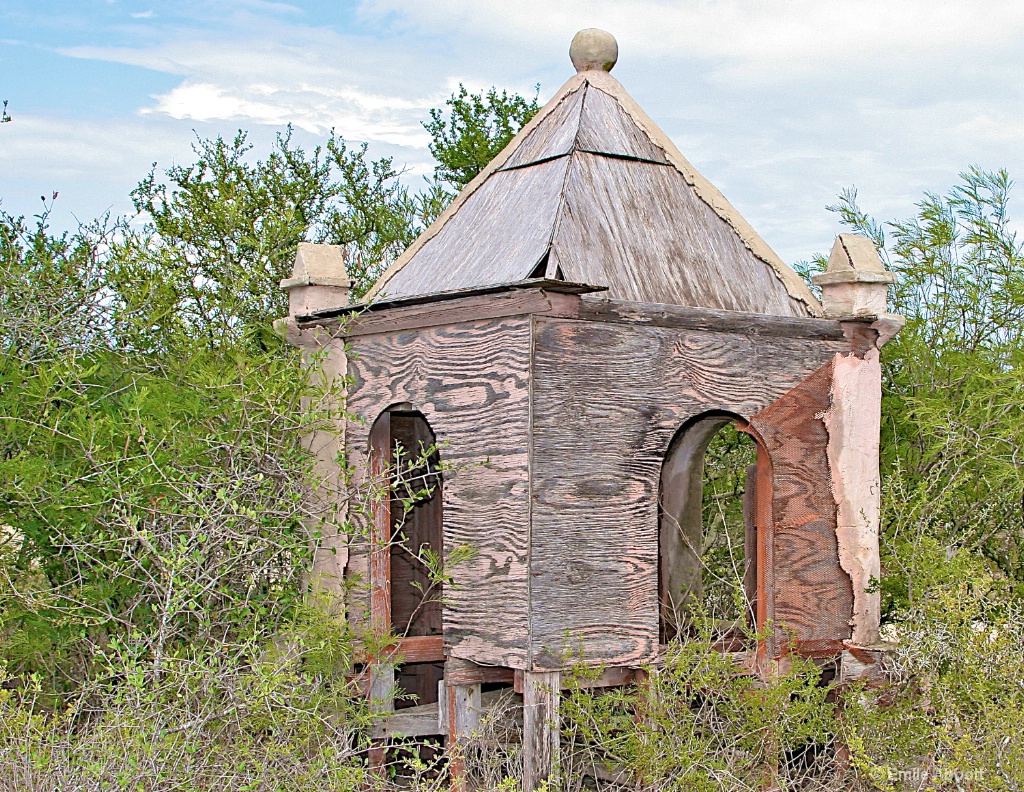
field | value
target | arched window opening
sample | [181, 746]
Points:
[407, 548]
[708, 537]
[416, 530]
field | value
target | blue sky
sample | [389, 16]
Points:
[781, 103]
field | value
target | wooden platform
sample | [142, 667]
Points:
[425, 720]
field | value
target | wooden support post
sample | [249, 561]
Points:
[382, 701]
[382, 675]
[541, 692]
[382, 688]
[460, 708]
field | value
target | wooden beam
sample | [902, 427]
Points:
[421, 721]
[547, 284]
[541, 693]
[414, 649]
[547, 300]
[464, 672]
[466, 309]
[614, 676]
[380, 529]
[709, 319]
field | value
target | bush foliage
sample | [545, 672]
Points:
[156, 524]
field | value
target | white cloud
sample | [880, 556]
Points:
[353, 114]
[784, 36]
[780, 103]
[312, 78]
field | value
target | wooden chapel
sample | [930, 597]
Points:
[555, 353]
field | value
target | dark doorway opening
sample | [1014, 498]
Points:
[414, 547]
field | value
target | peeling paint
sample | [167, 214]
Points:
[854, 425]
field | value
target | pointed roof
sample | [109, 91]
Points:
[592, 191]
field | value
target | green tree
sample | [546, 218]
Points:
[473, 129]
[155, 524]
[953, 421]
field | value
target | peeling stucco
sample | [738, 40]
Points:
[854, 424]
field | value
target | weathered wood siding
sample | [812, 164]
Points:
[607, 400]
[470, 381]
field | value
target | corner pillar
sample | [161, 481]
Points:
[854, 291]
[319, 280]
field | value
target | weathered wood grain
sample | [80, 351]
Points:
[464, 672]
[604, 309]
[553, 298]
[642, 231]
[382, 688]
[498, 237]
[610, 676]
[595, 112]
[554, 136]
[812, 595]
[608, 399]
[605, 128]
[419, 721]
[418, 649]
[541, 694]
[446, 312]
[471, 383]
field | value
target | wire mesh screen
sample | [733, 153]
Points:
[811, 594]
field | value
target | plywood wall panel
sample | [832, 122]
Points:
[608, 399]
[471, 383]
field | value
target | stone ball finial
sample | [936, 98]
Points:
[593, 49]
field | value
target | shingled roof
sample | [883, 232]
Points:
[592, 191]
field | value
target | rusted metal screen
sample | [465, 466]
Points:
[811, 598]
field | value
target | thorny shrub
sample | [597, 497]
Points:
[156, 524]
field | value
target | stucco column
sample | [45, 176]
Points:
[319, 280]
[854, 291]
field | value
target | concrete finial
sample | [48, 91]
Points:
[318, 280]
[855, 281]
[593, 49]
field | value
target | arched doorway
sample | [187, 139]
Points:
[714, 496]
[407, 547]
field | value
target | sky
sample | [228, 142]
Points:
[780, 103]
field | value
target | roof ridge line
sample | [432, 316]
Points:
[553, 264]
